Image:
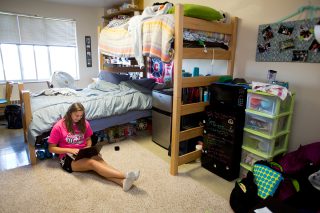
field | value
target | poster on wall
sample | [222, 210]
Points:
[88, 51]
[291, 41]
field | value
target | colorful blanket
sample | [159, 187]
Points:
[157, 34]
[157, 38]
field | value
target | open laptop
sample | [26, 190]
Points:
[86, 152]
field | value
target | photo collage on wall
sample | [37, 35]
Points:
[291, 41]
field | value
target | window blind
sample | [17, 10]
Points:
[32, 30]
[9, 30]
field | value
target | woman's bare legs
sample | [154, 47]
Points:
[118, 181]
[98, 165]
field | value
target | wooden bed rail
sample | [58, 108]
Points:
[26, 119]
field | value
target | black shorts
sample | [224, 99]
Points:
[65, 163]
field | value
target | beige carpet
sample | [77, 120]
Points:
[47, 188]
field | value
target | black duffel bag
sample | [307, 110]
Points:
[13, 116]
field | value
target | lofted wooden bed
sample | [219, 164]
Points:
[179, 109]
[180, 82]
[182, 22]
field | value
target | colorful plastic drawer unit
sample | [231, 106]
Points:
[266, 129]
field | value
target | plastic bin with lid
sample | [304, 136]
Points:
[267, 103]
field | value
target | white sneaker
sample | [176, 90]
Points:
[134, 175]
[127, 184]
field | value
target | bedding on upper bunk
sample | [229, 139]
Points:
[101, 99]
[157, 35]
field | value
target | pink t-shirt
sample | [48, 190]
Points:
[59, 135]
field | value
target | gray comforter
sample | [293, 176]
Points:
[100, 99]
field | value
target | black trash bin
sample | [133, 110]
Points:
[13, 116]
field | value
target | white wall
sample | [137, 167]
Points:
[304, 78]
[87, 19]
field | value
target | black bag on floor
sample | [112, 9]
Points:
[244, 196]
[13, 116]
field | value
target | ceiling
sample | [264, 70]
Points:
[90, 3]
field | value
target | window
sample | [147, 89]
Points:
[32, 48]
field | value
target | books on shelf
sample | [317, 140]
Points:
[194, 95]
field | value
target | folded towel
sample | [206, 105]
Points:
[273, 89]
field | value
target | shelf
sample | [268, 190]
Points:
[191, 133]
[122, 69]
[186, 158]
[198, 81]
[187, 109]
[198, 53]
[121, 12]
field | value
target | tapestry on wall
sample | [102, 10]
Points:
[291, 41]
[162, 72]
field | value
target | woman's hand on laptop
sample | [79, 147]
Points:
[73, 151]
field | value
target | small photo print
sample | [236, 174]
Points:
[88, 40]
[267, 33]
[264, 47]
[287, 44]
[300, 55]
[315, 46]
[305, 33]
[285, 30]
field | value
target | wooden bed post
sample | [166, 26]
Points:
[27, 120]
[234, 23]
[101, 59]
[178, 46]
[32, 154]
[20, 88]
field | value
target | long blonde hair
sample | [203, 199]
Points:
[81, 124]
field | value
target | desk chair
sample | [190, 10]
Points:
[6, 101]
